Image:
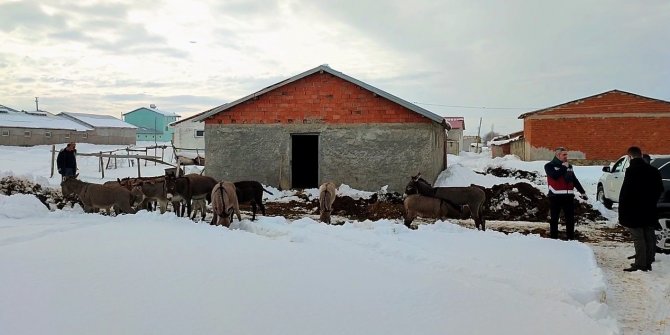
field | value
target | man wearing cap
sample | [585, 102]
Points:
[562, 181]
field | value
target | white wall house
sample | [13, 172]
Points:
[189, 134]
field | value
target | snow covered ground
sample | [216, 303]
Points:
[68, 272]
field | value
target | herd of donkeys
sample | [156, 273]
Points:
[190, 194]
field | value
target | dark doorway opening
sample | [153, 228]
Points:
[305, 160]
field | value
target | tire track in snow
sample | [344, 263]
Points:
[639, 300]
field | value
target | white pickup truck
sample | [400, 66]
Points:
[609, 187]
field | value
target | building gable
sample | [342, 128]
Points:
[318, 98]
[320, 95]
[612, 103]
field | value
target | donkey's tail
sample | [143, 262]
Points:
[325, 201]
[266, 191]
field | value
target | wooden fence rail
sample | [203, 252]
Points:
[111, 154]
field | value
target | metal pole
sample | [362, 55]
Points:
[477, 149]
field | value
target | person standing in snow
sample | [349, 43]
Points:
[67, 161]
[562, 181]
[642, 187]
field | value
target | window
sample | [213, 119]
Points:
[199, 133]
[67, 136]
[47, 134]
[166, 128]
[84, 135]
[619, 165]
[5, 133]
[26, 133]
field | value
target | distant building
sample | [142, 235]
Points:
[455, 134]
[510, 144]
[152, 124]
[105, 129]
[470, 143]
[601, 126]
[20, 128]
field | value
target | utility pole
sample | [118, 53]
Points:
[479, 139]
[37, 105]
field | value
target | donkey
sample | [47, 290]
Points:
[472, 197]
[198, 205]
[224, 204]
[252, 192]
[154, 190]
[189, 187]
[327, 194]
[416, 205]
[102, 197]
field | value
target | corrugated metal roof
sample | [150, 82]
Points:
[96, 120]
[456, 122]
[47, 121]
[325, 68]
[5, 109]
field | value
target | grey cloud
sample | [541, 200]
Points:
[248, 7]
[27, 15]
[76, 23]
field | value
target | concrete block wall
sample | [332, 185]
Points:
[366, 156]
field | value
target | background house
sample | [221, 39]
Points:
[510, 144]
[105, 129]
[455, 135]
[472, 143]
[22, 128]
[152, 124]
[189, 134]
[322, 125]
[601, 126]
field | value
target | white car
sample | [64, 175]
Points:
[609, 187]
[610, 182]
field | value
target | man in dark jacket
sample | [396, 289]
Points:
[562, 181]
[67, 161]
[642, 187]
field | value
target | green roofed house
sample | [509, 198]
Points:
[152, 124]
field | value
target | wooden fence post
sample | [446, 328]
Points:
[138, 168]
[102, 165]
[53, 155]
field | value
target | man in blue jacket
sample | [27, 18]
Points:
[642, 187]
[562, 181]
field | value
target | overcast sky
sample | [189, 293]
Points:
[471, 58]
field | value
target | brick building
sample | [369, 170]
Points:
[602, 126]
[322, 125]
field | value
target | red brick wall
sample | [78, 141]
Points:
[603, 126]
[318, 98]
[600, 138]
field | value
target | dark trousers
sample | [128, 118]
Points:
[67, 172]
[565, 203]
[644, 240]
